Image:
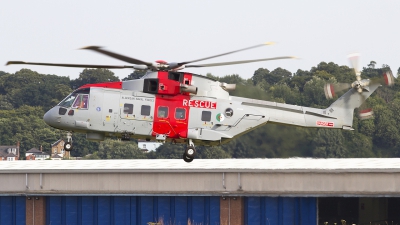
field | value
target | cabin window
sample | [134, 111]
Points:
[145, 111]
[206, 116]
[162, 112]
[81, 101]
[128, 108]
[180, 113]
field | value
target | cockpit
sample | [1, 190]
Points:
[78, 99]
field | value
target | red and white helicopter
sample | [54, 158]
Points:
[183, 107]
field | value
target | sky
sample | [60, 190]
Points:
[180, 30]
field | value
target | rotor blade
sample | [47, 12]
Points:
[332, 90]
[386, 78]
[227, 53]
[241, 62]
[354, 61]
[69, 65]
[365, 111]
[118, 56]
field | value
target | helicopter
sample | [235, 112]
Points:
[168, 105]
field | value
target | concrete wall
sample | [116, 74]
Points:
[296, 184]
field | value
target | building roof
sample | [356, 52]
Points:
[33, 150]
[55, 156]
[300, 165]
[241, 177]
[4, 148]
[10, 155]
[41, 153]
[57, 142]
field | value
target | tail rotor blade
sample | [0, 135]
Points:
[354, 61]
[388, 78]
[365, 111]
[332, 90]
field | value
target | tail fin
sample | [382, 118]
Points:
[343, 107]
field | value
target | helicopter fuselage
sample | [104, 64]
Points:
[180, 106]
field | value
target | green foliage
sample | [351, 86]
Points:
[89, 76]
[26, 95]
[175, 151]
[329, 143]
[25, 125]
[114, 149]
[232, 79]
[27, 87]
[137, 74]
[313, 93]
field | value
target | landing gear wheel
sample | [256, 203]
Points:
[187, 159]
[68, 146]
[190, 152]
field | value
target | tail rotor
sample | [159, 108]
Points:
[361, 85]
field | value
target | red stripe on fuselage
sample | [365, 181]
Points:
[115, 85]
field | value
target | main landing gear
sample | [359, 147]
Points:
[190, 152]
[68, 143]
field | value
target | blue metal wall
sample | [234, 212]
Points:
[280, 211]
[132, 210]
[12, 210]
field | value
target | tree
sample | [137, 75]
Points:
[25, 125]
[299, 79]
[279, 75]
[260, 75]
[284, 92]
[372, 64]
[137, 74]
[232, 79]
[27, 87]
[313, 93]
[90, 76]
[114, 149]
[329, 143]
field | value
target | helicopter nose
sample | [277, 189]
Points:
[50, 117]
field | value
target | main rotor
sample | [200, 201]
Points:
[156, 65]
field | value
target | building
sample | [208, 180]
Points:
[56, 157]
[300, 191]
[35, 154]
[57, 148]
[9, 153]
[148, 146]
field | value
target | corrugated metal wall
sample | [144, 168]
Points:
[280, 211]
[12, 210]
[132, 210]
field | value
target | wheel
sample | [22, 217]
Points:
[187, 159]
[190, 152]
[68, 146]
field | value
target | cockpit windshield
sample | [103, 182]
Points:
[77, 99]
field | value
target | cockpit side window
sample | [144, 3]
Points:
[67, 102]
[81, 101]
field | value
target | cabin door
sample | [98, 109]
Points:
[110, 110]
[171, 117]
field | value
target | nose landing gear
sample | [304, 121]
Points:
[68, 143]
[190, 152]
